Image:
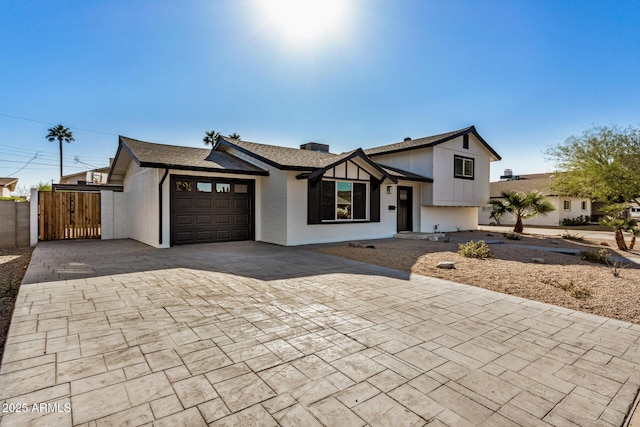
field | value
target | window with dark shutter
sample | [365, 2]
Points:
[328, 200]
[359, 201]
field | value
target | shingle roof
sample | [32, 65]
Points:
[428, 141]
[540, 182]
[281, 157]
[149, 154]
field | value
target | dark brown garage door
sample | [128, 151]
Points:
[210, 210]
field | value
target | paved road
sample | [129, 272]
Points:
[255, 334]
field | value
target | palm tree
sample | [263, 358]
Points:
[234, 136]
[617, 219]
[522, 206]
[60, 133]
[211, 137]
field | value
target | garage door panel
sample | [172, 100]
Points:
[203, 203]
[204, 219]
[223, 219]
[200, 215]
[183, 202]
[241, 219]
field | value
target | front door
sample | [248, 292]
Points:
[405, 208]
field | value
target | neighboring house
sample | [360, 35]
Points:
[93, 176]
[634, 211]
[248, 191]
[564, 206]
[7, 186]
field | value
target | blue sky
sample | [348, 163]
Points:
[527, 74]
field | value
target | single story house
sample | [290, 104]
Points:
[564, 206]
[7, 186]
[94, 176]
[241, 190]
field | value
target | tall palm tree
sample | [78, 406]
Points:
[211, 137]
[235, 136]
[60, 133]
[522, 206]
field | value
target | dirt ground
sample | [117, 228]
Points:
[563, 280]
[13, 266]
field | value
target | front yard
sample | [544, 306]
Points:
[564, 280]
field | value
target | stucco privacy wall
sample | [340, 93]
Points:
[300, 233]
[14, 224]
[448, 218]
[114, 215]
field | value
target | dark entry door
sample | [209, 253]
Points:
[210, 210]
[405, 208]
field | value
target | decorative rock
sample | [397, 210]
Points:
[354, 245]
[445, 264]
[370, 247]
[604, 244]
[537, 260]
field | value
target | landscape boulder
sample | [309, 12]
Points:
[446, 264]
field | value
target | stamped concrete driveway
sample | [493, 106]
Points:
[239, 334]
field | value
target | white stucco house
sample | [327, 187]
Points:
[242, 190]
[564, 206]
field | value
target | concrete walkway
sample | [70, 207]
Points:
[240, 334]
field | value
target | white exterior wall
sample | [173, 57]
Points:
[634, 211]
[448, 218]
[301, 233]
[114, 215]
[418, 161]
[450, 191]
[5, 192]
[141, 190]
[575, 210]
[273, 208]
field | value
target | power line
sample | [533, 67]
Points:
[26, 164]
[54, 124]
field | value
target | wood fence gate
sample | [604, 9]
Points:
[68, 215]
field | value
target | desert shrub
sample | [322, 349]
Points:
[570, 236]
[599, 257]
[473, 249]
[512, 236]
[579, 220]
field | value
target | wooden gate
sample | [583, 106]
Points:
[68, 215]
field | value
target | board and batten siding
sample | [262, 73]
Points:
[450, 191]
[141, 189]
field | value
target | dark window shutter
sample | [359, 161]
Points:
[359, 201]
[374, 203]
[328, 200]
[465, 141]
[313, 201]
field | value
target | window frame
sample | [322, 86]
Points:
[464, 160]
[367, 196]
[566, 203]
[583, 206]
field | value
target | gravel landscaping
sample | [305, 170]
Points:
[13, 266]
[564, 280]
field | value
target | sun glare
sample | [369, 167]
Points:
[304, 21]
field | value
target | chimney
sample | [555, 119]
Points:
[315, 146]
[407, 138]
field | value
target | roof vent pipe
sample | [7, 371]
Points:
[407, 138]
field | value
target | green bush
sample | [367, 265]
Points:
[600, 257]
[579, 220]
[473, 249]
